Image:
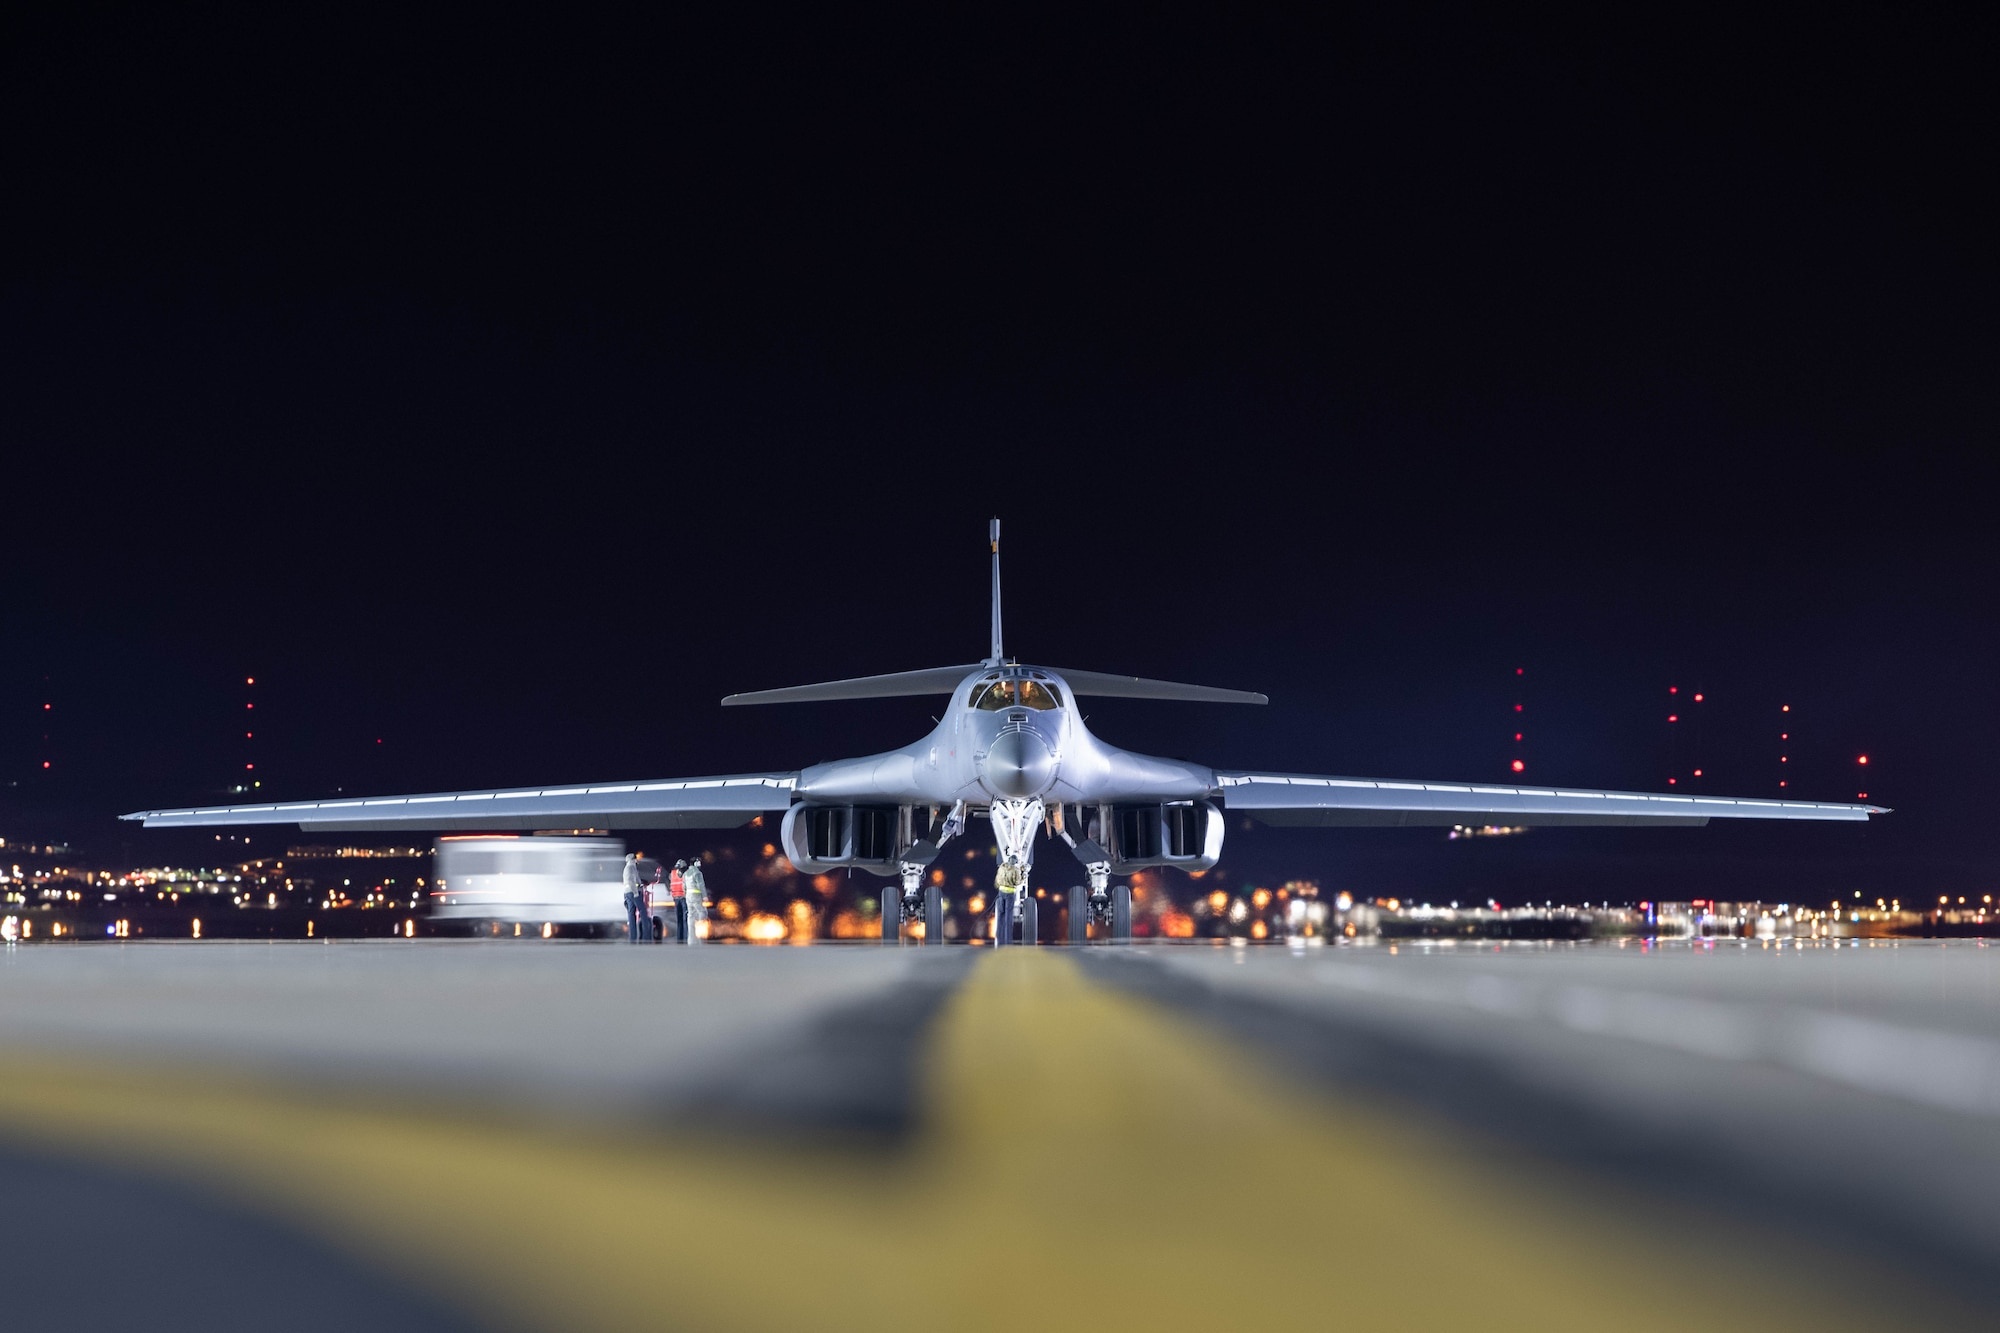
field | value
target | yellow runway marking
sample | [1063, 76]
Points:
[1087, 1161]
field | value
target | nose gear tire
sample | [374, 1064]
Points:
[1121, 913]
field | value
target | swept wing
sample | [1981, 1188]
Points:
[1297, 799]
[719, 802]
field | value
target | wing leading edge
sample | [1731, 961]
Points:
[721, 802]
[1304, 800]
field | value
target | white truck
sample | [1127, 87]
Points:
[541, 881]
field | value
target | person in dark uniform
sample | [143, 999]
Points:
[631, 898]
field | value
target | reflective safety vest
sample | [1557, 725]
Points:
[1008, 879]
[676, 886]
[692, 881]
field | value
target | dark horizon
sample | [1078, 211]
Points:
[501, 398]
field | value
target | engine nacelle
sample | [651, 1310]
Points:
[1184, 834]
[819, 838]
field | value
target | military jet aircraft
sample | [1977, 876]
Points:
[1012, 749]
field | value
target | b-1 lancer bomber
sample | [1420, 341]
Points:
[1012, 749]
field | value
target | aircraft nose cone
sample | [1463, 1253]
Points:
[1019, 764]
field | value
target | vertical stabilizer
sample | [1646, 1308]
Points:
[993, 535]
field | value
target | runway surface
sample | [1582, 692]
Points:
[452, 1134]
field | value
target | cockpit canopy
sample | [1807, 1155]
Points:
[1025, 689]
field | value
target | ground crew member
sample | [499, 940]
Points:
[656, 893]
[646, 907]
[697, 900]
[631, 897]
[677, 885]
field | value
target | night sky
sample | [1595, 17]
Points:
[501, 391]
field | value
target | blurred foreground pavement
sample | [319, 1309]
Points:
[450, 1134]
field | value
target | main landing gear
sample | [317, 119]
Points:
[1110, 907]
[900, 905]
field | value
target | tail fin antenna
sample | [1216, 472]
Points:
[993, 535]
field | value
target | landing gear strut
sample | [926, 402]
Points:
[1014, 825]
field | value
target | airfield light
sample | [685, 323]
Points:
[1517, 708]
[1673, 689]
[45, 763]
[1672, 781]
[1517, 735]
[1784, 708]
[1861, 796]
[1697, 772]
[249, 680]
[1218, 900]
[1697, 698]
[1518, 766]
[1862, 760]
[1673, 717]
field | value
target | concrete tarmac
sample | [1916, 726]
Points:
[446, 1134]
